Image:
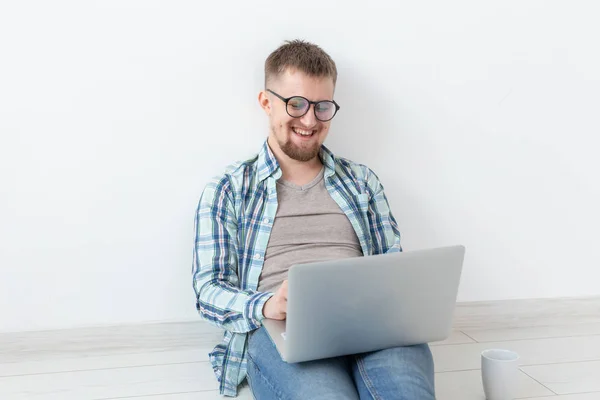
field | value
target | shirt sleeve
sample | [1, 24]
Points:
[219, 298]
[385, 235]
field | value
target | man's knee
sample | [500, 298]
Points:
[270, 377]
[404, 372]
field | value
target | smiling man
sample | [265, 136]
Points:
[295, 202]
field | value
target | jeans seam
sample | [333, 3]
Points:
[263, 378]
[250, 385]
[365, 377]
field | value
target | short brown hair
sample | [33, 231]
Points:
[300, 55]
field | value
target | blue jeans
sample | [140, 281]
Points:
[400, 373]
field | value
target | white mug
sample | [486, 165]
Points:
[499, 373]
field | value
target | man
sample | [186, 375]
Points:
[295, 202]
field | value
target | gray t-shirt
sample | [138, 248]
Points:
[309, 226]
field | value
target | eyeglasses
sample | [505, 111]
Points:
[298, 106]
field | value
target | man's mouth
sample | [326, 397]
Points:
[303, 133]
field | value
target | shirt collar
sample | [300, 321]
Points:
[268, 165]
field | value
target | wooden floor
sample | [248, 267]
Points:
[560, 359]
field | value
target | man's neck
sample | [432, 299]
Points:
[294, 171]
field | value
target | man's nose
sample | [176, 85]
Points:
[309, 120]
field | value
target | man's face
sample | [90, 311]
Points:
[298, 138]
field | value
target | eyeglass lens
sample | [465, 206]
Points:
[298, 106]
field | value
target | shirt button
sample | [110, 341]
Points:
[257, 257]
[266, 220]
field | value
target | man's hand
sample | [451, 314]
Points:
[276, 306]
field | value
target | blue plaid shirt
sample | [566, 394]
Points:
[233, 223]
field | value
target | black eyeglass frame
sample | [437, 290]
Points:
[286, 100]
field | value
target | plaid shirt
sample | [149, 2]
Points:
[233, 223]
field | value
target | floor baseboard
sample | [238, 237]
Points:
[163, 336]
[526, 312]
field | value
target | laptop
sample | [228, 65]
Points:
[363, 304]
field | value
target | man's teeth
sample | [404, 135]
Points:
[302, 132]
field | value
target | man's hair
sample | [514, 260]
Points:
[302, 56]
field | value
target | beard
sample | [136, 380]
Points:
[304, 152]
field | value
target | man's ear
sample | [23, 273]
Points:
[264, 102]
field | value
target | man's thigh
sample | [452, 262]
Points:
[271, 378]
[400, 373]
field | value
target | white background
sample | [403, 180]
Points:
[481, 119]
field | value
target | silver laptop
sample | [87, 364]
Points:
[363, 304]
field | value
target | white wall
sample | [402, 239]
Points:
[481, 119]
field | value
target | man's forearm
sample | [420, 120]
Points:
[231, 308]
